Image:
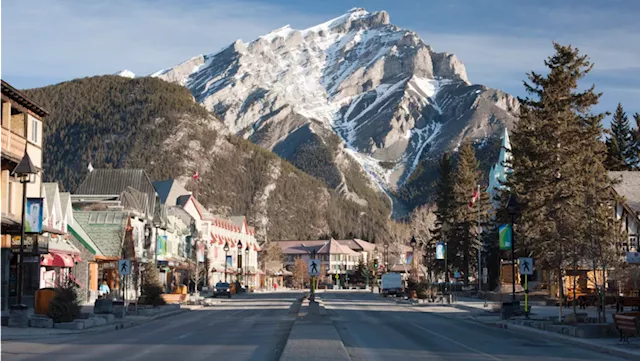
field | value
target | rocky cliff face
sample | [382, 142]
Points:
[390, 97]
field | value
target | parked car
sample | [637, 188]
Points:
[222, 289]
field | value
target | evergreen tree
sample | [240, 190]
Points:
[634, 156]
[557, 157]
[620, 143]
[465, 218]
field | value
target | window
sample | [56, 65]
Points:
[633, 242]
[34, 131]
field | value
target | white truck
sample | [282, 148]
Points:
[391, 284]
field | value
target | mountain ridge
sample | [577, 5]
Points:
[391, 99]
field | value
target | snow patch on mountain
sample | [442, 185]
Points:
[126, 74]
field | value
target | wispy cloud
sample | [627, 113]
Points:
[77, 38]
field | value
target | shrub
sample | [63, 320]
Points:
[65, 306]
[151, 287]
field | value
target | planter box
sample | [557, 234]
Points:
[41, 322]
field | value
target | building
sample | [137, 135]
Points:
[214, 233]
[21, 134]
[338, 258]
[628, 211]
[120, 213]
[500, 170]
[58, 267]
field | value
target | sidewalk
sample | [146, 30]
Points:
[14, 333]
[474, 310]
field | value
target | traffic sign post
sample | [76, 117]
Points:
[124, 267]
[526, 269]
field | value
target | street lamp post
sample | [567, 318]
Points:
[246, 262]
[23, 171]
[413, 244]
[226, 254]
[239, 254]
[444, 229]
[386, 257]
[513, 210]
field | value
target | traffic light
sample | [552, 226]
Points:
[375, 263]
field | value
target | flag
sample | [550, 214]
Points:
[474, 198]
[195, 175]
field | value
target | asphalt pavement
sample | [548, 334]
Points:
[373, 328]
[246, 327]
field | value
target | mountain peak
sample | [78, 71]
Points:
[126, 74]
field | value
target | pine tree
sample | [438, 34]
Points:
[620, 143]
[557, 156]
[464, 239]
[634, 156]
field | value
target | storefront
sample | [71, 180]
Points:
[58, 266]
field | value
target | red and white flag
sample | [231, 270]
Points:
[476, 194]
[195, 175]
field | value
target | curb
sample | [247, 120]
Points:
[119, 325]
[577, 342]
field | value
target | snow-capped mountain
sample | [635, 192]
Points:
[390, 97]
[125, 74]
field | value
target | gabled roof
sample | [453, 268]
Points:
[50, 191]
[334, 247]
[358, 245]
[20, 98]
[81, 235]
[169, 190]
[629, 188]
[105, 229]
[116, 181]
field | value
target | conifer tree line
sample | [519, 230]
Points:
[559, 177]
[623, 142]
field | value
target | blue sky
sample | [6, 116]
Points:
[497, 40]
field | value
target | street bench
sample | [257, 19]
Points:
[627, 324]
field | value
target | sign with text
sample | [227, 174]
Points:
[34, 214]
[33, 244]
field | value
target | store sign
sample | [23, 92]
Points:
[33, 244]
[109, 265]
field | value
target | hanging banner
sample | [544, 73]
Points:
[229, 261]
[505, 233]
[200, 252]
[33, 219]
[440, 250]
[409, 257]
[162, 247]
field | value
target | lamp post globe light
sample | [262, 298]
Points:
[25, 171]
[226, 253]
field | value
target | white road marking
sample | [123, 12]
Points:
[457, 343]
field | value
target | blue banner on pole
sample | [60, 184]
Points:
[440, 250]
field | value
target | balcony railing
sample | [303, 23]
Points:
[13, 145]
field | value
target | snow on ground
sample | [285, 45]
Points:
[126, 74]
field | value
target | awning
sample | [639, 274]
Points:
[54, 259]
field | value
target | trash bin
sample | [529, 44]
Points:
[506, 311]
[43, 299]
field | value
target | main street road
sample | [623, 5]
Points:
[373, 329]
[247, 327]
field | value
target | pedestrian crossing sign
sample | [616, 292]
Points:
[314, 267]
[124, 267]
[526, 266]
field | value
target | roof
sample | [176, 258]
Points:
[358, 245]
[116, 181]
[104, 228]
[169, 190]
[628, 187]
[50, 190]
[20, 98]
[334, 247]
[78, 232]
[330, 246]
[65, 199]
[61, 245]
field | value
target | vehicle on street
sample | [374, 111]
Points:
[391, 284]
[222, 289]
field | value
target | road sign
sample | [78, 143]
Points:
[314, 267]
[124, 267]
[526, 266]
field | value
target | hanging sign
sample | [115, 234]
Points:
[505, 232]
